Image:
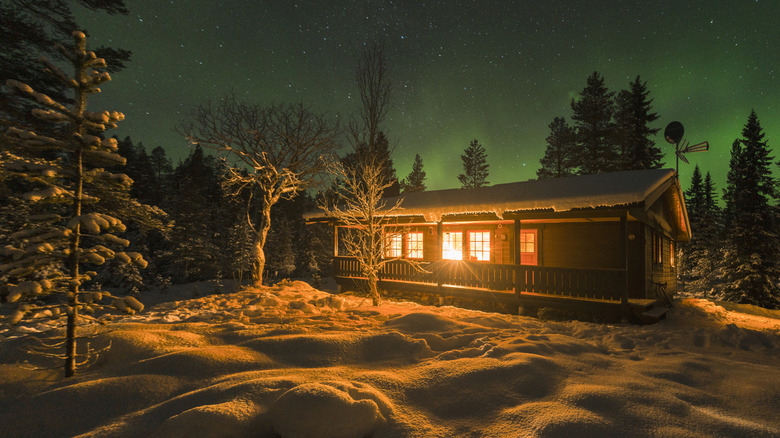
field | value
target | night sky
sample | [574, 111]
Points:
[498, 71]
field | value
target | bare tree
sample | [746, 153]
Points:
[375, 95]
[359, 208]
[277, 149]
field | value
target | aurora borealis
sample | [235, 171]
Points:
[498, 71]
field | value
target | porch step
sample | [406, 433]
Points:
[654, 315]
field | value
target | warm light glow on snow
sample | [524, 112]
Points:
[290, 360]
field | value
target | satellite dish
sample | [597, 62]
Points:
[674, 132]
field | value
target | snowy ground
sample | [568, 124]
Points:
[293, 361]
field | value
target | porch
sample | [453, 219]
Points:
[597, 290]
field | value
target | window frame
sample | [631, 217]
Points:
[444, 240]
[408, 245]
[391, 239]
[470, 251]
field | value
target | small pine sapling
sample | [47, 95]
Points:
[41, 263]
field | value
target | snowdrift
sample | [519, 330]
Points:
[293, 361]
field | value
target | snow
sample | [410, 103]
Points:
[557, 194]
[293, 361]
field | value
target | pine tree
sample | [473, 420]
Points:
[592, 115]
[475, 166]
[281, 256]
[196, 245]
[632, 131]
[64, 230]
[415, 181]
[708, 238]
[28, 28]
[690, 251]
[380, 153]
[750, 265]
[559, 158]
[161, 169]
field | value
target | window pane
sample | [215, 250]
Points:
[479, 245]
[414, 245]
[452, 246]
[394, 242]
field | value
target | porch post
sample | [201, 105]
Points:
[519, 284]
[624, 238]
[335, 240]
[440, 257]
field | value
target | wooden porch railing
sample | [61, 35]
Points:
[606, 284]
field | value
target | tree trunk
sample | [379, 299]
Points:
[373, 289]
[73, 293]
[70, 342]
[258, 254]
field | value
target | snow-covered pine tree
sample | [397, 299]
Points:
[559, 158]
[281, 258]
[689, 252]
[592, 115]
[752, 248]
[633, 116]
[708, 238]
[475, 166]
[30, 28]
[415, 181]
[63, 230]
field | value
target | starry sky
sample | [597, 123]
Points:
[495, 70]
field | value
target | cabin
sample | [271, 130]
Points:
[601, 242]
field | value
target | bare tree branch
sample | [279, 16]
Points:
[278, 149]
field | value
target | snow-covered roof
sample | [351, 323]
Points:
[626, 188]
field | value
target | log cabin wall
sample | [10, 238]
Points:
[501, 250]
[430, 238]
[596, 245]
[660, 265]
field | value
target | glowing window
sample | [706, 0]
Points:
[452, 246]
[479, 245]
[394, 245]
[528, 247]
[414, 245]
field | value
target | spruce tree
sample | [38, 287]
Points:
[592, 115]
[30, 28]
[633, 116]
[708, 238]
[415, 181]
[750, 265]
[64, 229]
[381, 153]
[161, 169]
[475, 166]
[559, 158]
[694, 200]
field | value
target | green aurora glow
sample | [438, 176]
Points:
[498, 71]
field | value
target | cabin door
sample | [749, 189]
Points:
[529, 247]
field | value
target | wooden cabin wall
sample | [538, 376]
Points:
[659, 273]
[595, 245]
[431, 250]
[636, 260]
[500, 249]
